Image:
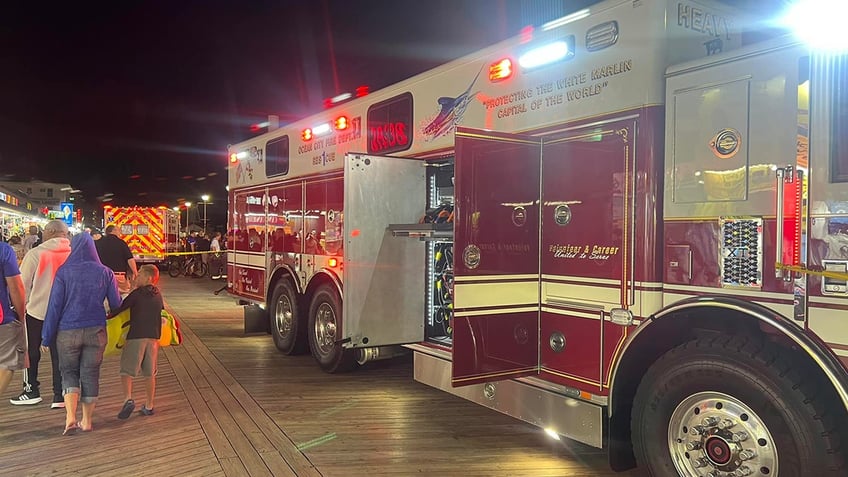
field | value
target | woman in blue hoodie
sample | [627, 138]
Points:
[76, 322]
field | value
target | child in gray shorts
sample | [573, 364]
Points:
[141, 350]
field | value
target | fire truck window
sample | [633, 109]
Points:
[323, 219]
[277, 156]
[285, 218]
[142, 229]
[126, 229]
[390, 125]
[839, 122]
[249, 221]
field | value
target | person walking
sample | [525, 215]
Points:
[217, 257]
[116, 254]
[31, 239]
[76, 324]
[13, 354]
[38, 270]
[141, 351]
[18, 247]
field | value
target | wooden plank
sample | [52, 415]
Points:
[244, 408]
[231, 405]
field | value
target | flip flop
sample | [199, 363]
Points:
[71, 430]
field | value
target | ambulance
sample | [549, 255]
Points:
[628, 227]
[150, 232]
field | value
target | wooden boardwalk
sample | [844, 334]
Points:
[230, 405]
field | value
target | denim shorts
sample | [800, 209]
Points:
[80, 356]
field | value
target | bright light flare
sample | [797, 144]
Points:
[819, 23]
[578, 15]
[321, 129]
[544, 55]
[552, 433]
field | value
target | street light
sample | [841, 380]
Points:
[187, 205]
[205, 198]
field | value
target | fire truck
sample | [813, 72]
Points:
[628, 227]
[150, 232]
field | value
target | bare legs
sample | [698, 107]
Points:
[127, 382]
[71, 401]
[5, 378]
[149, 389]
[87, 415]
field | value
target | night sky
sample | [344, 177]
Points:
[140, 99]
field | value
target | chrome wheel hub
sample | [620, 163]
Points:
[325, 329]
[712, 434]
[283, 316]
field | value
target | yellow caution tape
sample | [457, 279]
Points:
[174, 254]
[818, 273]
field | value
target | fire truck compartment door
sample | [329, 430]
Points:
[587, 216]
[383, 275]
[496, 257]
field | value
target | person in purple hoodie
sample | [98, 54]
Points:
[76, 322]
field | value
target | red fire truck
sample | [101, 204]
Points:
[150, 232]
[628, 228]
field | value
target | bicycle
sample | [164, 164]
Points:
[188, 266]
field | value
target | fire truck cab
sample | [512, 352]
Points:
[626, 228]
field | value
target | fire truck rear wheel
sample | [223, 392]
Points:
[288, 331]
[325, 331]
[735, 405]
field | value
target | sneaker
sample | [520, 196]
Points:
[26, 398]
[128, 408]
[145, 411]
[58, 403]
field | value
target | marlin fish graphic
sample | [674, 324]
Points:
[451, 112]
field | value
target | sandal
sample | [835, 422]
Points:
[71, 430]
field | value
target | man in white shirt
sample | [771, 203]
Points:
[38, 269]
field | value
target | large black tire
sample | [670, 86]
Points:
[736, 401]
[325, 332]
[287, 329]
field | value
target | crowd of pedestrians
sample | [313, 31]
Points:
[56, 299]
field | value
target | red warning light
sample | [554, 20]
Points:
[361, 91]
[306, 134]
[340, 123]
[233, 158]
[332, 262]
[501, 70]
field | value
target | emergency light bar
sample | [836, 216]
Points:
[547, 54]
